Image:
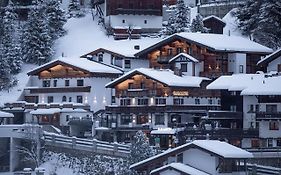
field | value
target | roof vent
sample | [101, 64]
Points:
[137, 47]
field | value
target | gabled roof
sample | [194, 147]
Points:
[81, 64]
[165, 76]
[180, 167]
[189, 57]
[249, 84]
[214, 147]
[214, 17]
[214, 42]
[103, 50]
[269, 58]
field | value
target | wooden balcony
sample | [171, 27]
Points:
[221, 133]
[59, 89]
[156, 12]
[138, 93]
[268, 116]
[225, 115]
[269, 99]
[163, 59]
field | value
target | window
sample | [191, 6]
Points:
[278, 142]
[125, 102]
[184, 67]
[145, 21]
[70, 99]
[233, 93]
[46, 83]
[271, 108]
[269, 143]
[123, 21]
[273, 125]
[197, 101]
[80, 82]
[79, 99]
[170, 51]
[190, 50]
[127, 64]
[130, 86]
[241, 69]
[112, 60]
[255, 143]
[279, 68]
[126, 119]
[55, 83]
[178, 101]
[142, 101]
[257, 108]
[142, 119]
[64, 99]
[67, 118]
[66, 82]
[160, 101]
[100, 57]
[159, 119]
[251, 108]
[142, 85]
[50, 99]
[210, 101]
[233, 108]
[179, 50]
[113, 100]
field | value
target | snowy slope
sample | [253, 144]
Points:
[231, 27]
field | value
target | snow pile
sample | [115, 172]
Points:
[179, 167]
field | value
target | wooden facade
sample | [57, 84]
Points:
[134, 7]
[214, 25]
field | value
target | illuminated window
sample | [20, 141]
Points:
[273, 125]
[142, 119]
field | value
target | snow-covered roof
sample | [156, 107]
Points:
[82, 63]
[191, 58]
[214, 42]
[213, 16]
[249, 84]
[163, 131]
[216, 147]
[270, 57]
[45, 111]
[6, 115]
[164, 76]
[179, 167]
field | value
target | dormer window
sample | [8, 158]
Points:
[100, 57]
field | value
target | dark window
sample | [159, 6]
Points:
[279, 68]
[271, 108]
[100, 57]
[184, 67]
[46, 83]
[273, 125]
[241, 68]
[50, 99]
[127, 64]
[80, 82]
[125, 102]
[64, 99]
[255, 143]
[142, 85]
[130, 86]
[178, 101]
[170, 51]
[160, 101]
[210, 101]
[179, 50]
[257, 108]
[233, 108]
[269, 143]
[142, 101]
[123, 21]
[145, 21]
[79, 99]
[142, 119]
[126, 119]
[251, 108]
[67, 118]
[112, 60]
[113, 100]
[66, 82]
[197, 101]
[278, 142]
[70, 99]
[159, 119]
[55, 83]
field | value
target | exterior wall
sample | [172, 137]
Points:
[169, 172]
[249, 119]
[200, 160]
[98, 97]
[235, 60]
[273, 66]
[190, 69]
[152, 22]
[265, 132]
[214, 25]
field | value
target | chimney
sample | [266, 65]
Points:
[137, 47]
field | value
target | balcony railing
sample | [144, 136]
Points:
[163, 59]
[267, 115]
[59, 89]
[156, 12]
[225, 115]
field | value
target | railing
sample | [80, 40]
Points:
[163, 59]
[261, 170]
[96, 146]
[156, 12]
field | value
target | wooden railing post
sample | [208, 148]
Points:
[73, 142]
[94, 145]
[115, 147]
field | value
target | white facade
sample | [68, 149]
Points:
[137, 21]
[237, 63]
[273, 65]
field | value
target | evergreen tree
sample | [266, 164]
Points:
[56, 18]
[74, 9]
[140, 148]
[171, 29]
[182, 17]
[36, 39]
[197, 25]
[10, 44]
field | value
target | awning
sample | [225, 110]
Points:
[6, 115]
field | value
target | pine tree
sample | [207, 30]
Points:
[171, 29]
[182, 17]
[56, 18]
[10, 44]
[140, 148]
[36, 38]
[197, 25]
[74, 9]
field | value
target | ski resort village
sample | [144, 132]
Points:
[140, 87]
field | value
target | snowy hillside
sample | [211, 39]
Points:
[231, 27]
